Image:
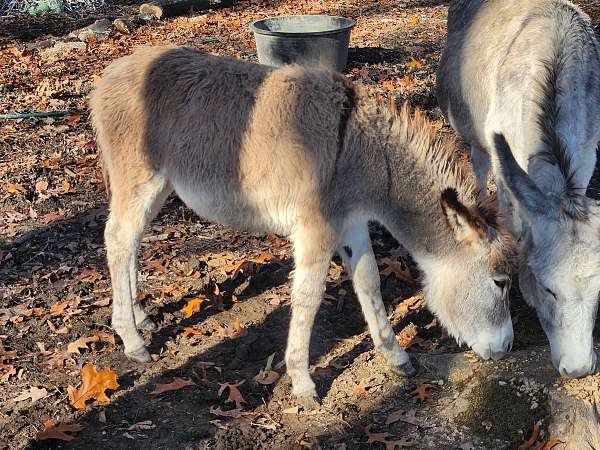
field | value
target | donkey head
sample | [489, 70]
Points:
[468, 289]
[560, 269]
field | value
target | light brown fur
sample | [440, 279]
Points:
[304, 153]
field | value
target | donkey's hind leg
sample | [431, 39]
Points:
[358, 257]
[131, 209]
[142, 321]
[313, 249]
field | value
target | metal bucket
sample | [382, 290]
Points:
[316, 41]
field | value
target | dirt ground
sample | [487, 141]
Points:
[55, 289]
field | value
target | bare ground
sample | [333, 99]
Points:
[55, 288]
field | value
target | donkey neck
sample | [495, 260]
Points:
[419, 168]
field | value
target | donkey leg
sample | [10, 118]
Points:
[130, 210]
[142, 321]
[359, 260]
[312, 255]
[481, 166]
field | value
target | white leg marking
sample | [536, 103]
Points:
[312, 263]
[129, 214]
[362, 267]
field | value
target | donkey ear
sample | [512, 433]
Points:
[465, 226]
[520, 185]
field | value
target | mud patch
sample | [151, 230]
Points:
[500, 405]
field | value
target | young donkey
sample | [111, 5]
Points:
[530, 69]
[303, 153]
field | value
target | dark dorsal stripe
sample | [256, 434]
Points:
[347, 108]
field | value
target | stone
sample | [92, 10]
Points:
[64, 47]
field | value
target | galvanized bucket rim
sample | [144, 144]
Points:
[351, 23]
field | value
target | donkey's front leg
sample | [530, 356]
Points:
[312, 255]
[360, 262]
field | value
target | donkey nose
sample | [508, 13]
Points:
[506, 347]
[497, 345]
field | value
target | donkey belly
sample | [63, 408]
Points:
[227, 206]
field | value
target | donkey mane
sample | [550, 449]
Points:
[437, 155]
[554, 151]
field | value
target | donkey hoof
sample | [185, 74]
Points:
[147, 325]
[405, 370]
[308, 402]
[140, 355]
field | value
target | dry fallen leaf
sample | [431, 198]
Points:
[292, 410]
[34, 393]
[59, 431]
[238, 330]
[263, 257]
[176, 384]
[529, 443]
[414, 63]
[399, 270]
[384, 439]
[359, 390]
[409, 336]
[58, 308]
[193, 331]
[94, 384]
[193, 305]
[421, 390]
[15, 189]
[234, 393]
[487, 424]
[407, 305]
[267, 376]
[404, 416]
[82, 343]
[548, 445]
[90, 276]
[233, 413]
[41, 185]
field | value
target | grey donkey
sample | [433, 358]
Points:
[302, 153]
[530, 71]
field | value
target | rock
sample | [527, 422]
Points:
[575, 422]
[150, 11]
[99, 30]
[100, 26]
[64, 47]
[123, 26]
[39, 45]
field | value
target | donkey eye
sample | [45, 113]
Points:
[551, 293]
[500, 283]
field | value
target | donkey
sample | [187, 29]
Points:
[530, 71]
[307, 154]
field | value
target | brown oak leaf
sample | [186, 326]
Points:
[388, 440]
[93, 385]
[82, 343]
[404, 416]
[532, 440]
[176, 384]
[234, 393]
[59, 431]
[193, 331]
[399, 270]
[193, 305]
[421, 390]
[58, 308]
